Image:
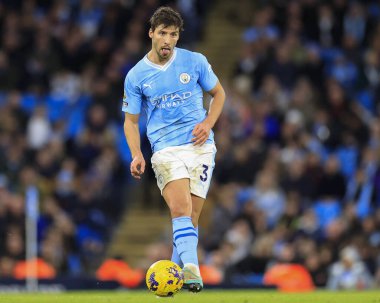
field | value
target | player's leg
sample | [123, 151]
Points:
[200, 164]
[175, 256]
[173, 181]
[197, 205]
[177, 196]
[192, 271]
[193, 279]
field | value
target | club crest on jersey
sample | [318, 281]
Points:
[184, 78]
[125, 103]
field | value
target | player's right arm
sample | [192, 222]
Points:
[132, 107]
[132, 134]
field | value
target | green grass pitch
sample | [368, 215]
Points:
[207, 296]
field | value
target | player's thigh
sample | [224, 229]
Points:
[177, 196]
[173, 181]
[167, 167]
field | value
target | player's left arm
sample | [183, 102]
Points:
[202, 130]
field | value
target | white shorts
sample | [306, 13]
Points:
[186, 161]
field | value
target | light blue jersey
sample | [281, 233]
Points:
[171, 96]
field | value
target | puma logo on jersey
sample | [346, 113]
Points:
[148, 85]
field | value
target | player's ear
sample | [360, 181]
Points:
[150, 33]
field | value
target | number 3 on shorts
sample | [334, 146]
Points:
[204, 175]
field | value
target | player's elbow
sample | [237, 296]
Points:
[219, 93]
[131, 121]
[222, 94]
[128, 126]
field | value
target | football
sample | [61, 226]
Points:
[164, 278]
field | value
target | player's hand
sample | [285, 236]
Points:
[137, 166]
[201, 133]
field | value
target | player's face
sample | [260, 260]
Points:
[164, 39]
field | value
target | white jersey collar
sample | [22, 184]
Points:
[161, 67]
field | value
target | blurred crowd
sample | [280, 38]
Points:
[62, 69]
[297, 178]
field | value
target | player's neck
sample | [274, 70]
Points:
[155, 58]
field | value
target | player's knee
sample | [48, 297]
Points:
[195, 218]
[195, 222]
[177, 210]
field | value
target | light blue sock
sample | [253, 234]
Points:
[186, 239]
[175, 255]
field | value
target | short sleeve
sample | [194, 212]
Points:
[207, 78]
[132, 97]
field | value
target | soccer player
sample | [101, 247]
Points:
[167, 84]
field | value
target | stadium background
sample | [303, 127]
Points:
[297, 179]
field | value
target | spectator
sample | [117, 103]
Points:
[349, 272]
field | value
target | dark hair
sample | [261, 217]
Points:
[167, 16]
